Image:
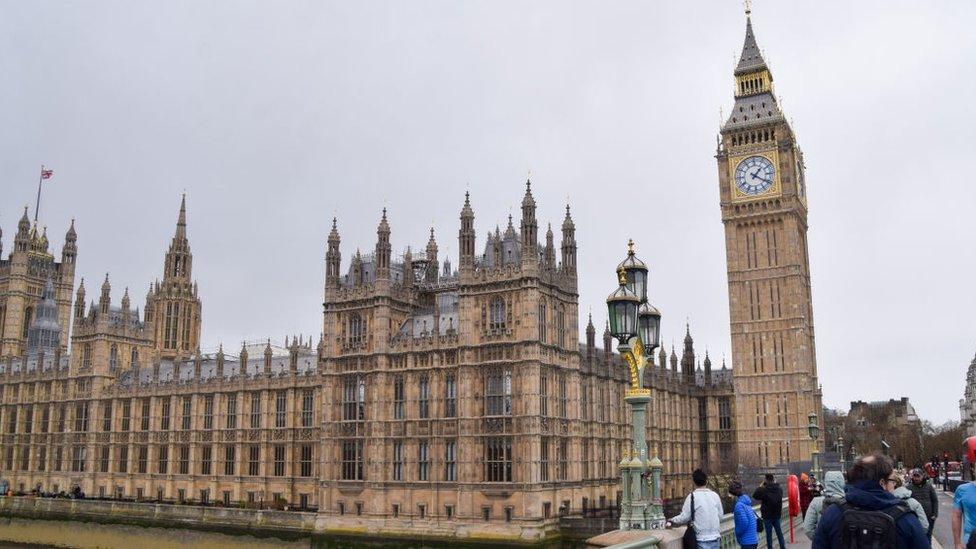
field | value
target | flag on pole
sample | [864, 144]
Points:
[46, 174]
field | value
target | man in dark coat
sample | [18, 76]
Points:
[924, 493]
[869, 481]
[770, 496]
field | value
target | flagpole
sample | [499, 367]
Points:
[37, 206]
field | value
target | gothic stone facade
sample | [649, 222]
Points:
[967, 404]
[438, 400]
[764, 209]
[22, 278]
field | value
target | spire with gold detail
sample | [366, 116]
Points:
[755, 101]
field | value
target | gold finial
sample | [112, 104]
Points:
[748, 5]
[630, 246]
[621, 276]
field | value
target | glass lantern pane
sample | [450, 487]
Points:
[630, 313]
[639, 286]
[612, 312]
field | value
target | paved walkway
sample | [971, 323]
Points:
[942, 533]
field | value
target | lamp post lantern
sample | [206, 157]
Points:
[636, 324]
[814, 431]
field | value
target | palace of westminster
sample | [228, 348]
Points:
[438, 399]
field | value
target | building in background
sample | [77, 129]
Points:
[764, 209]
[889, 425]
[23, 277]
[438, 399]
[967, 404]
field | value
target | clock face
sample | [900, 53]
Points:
[754, 175]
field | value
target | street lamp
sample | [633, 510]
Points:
[814, 430]
[843, 456]
[636, 324]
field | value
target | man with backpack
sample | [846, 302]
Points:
[770, 497]
[870, 516]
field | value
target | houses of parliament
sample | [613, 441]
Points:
[446, 400]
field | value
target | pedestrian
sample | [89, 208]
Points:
[703, 509]
[816, 489]
[833, 492]
[903, 493]
[964, 515]
[770, 496]
[870, 515]
[805, 495]
[745, 517]
[924, 493]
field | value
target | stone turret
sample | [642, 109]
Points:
[590, 340]
[466, 236]
[332, 258]
[383, 249]
[529, 226]
[569, 245]
[431, 275]
[105, 299]
[80, 300]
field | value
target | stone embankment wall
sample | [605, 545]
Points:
[109, 524]
[90, 523]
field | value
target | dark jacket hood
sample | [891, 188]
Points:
[869, 495]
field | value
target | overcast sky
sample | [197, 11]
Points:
[274, 116]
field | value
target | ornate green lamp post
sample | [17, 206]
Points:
[636, 324]
[814, 430]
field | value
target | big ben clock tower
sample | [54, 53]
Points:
[764, 209]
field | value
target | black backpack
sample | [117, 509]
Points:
[862, 529]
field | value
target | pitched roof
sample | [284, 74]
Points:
[751, 58]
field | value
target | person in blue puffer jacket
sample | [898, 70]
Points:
[745, 517]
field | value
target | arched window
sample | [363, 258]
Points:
[356, 328]
[361, 399]
[172, 322]
[28, 316]
[86, 356]
[542, 322]
[561, 326]
[113, 358]
[497, 313]
[134, 360]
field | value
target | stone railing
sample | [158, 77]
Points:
[671, 538]
[727, 526]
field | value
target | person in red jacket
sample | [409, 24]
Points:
[806, 496]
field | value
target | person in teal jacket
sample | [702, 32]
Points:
[745, 517]
[833, 493]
